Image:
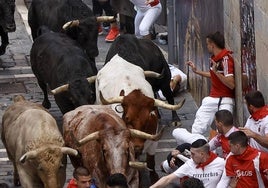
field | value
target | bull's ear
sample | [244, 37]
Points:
[122, 93]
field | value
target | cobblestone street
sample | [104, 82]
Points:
[16, 78]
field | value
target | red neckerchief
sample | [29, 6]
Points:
[155, 2]
[212, 156]
[223, 53]
[72, 183]
[249, 154]
[261, 113]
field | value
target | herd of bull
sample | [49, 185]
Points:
[110, 115]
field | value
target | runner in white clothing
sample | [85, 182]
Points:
[204, 165]
[147, 13]
[224, 124]
[256, 127]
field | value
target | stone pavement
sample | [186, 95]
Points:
[16, 78]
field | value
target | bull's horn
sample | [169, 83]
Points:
[140, 134]
[168, 106]
[70, 24]
[69, 151]
[91, 79]
[151, 74]
[105, 18]
[104, 101]
[28, 155]
[92, 136]
[60, 89]
[139, 165]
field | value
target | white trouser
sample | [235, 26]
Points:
[145, 18]
[182, 136]
[206, 113]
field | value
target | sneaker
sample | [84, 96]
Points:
[100, 32]
[113, 33]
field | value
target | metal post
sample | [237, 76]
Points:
[171, 34]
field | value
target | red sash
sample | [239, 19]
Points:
[261, 113]
[212, 156]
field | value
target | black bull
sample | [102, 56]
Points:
[145, 54]
[7, 23]
[57, 60]
[54, 14]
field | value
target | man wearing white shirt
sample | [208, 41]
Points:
[204, 165]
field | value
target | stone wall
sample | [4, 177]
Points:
[261, 37]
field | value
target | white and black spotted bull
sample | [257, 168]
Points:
[34, 145]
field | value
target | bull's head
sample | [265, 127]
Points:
[140, 112]
[48, 161]
[82, 91]
[85, 31]
[117, 149]
[7, 9]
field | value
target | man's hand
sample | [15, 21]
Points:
[214, 65]
[192, 65]
[248, 132]
[175, 152]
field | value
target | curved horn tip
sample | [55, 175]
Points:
[23, 159]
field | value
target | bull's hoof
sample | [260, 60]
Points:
[2, 51]
[3, 48]
[17, 182]
[154, 177]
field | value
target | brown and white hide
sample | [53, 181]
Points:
[110, 152]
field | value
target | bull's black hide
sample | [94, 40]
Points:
[7, 23]
[57, 60]
[55, 14]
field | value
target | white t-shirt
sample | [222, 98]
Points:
[259, 127]
[210, 176]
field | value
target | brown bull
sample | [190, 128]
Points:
[104, 142]
[34, 145]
